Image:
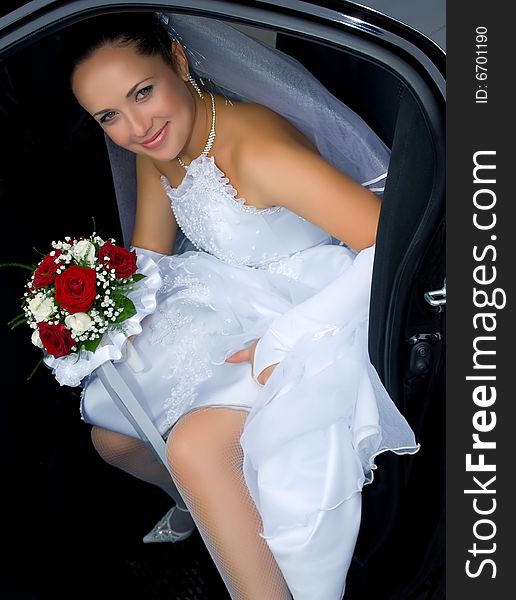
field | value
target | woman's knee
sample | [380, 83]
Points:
[205, 438]
[112, 446]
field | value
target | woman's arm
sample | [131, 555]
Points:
[294, 177]
[336, 305]
[280, 171]
[155, 227]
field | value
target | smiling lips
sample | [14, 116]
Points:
[157, 139]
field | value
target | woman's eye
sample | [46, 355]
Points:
[109, 116]
[144, 92]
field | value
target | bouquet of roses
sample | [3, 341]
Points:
[77, 292]
[80, 303]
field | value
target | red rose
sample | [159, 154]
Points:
[46, 272]
[56, 339]
[120, 259]
[76, 289]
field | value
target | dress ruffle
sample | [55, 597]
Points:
[309, 444]
[313, 430]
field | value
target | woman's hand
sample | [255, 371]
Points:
[247, 354]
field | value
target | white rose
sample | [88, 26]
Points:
[79, 322]
[84, 251]
[41, 307]
[36, 340]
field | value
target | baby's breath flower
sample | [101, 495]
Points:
[110, 301]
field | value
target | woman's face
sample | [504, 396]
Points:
[139, 101]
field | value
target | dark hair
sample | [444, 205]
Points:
[143, 30]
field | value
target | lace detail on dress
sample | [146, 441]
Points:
[290, 267]
[210, 215]
[177, 326]
[194, 292]
[232, 193]
[189, 359]
[201, 222]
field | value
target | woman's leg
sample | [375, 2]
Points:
[134, 457]
[206, 460]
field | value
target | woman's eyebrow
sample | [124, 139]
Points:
[128, 95]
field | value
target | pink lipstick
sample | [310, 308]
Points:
[156, 139]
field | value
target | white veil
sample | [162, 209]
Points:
[242, 68]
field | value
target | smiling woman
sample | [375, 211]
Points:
[129, 117]
[256, 359]
[247, 330]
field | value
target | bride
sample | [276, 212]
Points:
[256, 369]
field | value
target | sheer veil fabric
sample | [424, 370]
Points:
[249, 70]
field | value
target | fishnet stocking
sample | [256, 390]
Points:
[206, 462]
[134, 457]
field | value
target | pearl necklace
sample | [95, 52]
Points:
[211, 136]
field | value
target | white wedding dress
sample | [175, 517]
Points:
[314, 429]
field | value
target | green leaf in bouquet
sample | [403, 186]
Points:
[91, 345]
[31, 374]
[128, 284]
[127, 306]
[19, 266]
[17, 320]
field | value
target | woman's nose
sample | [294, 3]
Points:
[140, 124]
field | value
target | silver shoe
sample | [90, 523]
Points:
[161, 532]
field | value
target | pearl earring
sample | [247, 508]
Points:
[196, 87]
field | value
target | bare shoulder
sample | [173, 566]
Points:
[281, 169]
[263, 125]
[260, 138]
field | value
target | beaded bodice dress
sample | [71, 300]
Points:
[215, 220]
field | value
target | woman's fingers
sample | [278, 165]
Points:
[240, 356]
[266, 373]
[247, 355]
